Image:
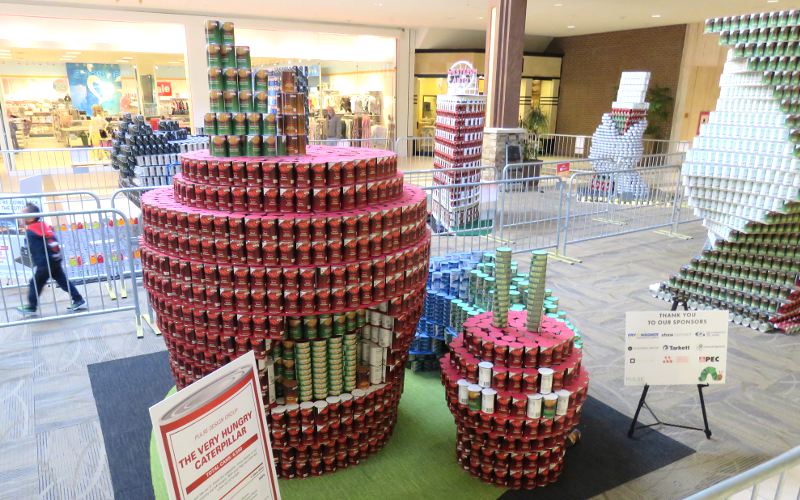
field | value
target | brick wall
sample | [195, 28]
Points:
[592, 65]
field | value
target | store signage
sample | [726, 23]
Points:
[580, 144]
[562, 167]
[676, 348]
[164, 89]
[462, 79]
[212, 437]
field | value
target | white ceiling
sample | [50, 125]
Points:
[544, 17]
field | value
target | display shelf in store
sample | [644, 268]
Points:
[742, 176]
[327, 295]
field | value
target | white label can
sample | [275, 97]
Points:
[534, 405]
[485, 374]
[563, 401]
[487, 400]
[463, 393]
[545, 380]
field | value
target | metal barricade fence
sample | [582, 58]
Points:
[602, 204]
[51, 170]
[544, 168]
[414, 153]
[93, 258]
[485, 215]
[371, 143]
[568, 146]
[127, 201]
[426, 178]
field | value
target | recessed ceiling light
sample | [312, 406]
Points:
[558, 5]
[772, 1]
[480, 18]
[655, 15]
[126, 58]
[72, 52]
[571, 26]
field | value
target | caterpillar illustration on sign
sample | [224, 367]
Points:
[709, 371]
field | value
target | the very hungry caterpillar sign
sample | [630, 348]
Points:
[212, 437]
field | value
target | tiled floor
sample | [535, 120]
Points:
[51, 444]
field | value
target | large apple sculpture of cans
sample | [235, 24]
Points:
[315, 258]
[742, 177]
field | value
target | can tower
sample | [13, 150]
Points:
[742, 177]
[315, 260]
[515, 385]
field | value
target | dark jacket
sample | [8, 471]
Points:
[42, 244]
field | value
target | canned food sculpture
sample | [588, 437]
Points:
[617, 144]
[742, 176]
[318, 264]
[514, 383]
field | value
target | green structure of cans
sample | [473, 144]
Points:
[502, 278]
[536, 284]
[253, 113]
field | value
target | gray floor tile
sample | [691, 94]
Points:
[16, 409]
[63, 400]
[19, 473]
[72, 463]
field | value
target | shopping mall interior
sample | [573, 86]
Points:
[381, 249]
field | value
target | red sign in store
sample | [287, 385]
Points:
[164, 89]
[562, 167]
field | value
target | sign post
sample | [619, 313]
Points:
[675, 348]
[212, 437]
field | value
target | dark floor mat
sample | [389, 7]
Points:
[124, 390]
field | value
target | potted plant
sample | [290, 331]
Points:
[534, 122]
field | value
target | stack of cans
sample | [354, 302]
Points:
[502, 274]
[536, 282]
[303, 364]
[350, 359]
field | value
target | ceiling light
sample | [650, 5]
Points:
[75, 52]
[655, 15]
[558, 5]
[480, 18]
[126, 58]
[378, 5]
[772, 1]
[571, 26]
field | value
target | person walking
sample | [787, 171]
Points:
[46, 257]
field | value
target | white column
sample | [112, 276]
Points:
[196, 71]
[405, 84]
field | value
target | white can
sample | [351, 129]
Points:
[485, 374]
[463, 393]
[563, 401]
[487, 400]
[546, 380]
[535, 405]
[375, 355]
[376, 374]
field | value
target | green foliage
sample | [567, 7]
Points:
[658, 116]
[534, 122]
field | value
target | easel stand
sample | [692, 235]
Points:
[643, 402]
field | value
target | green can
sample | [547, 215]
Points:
[253, 148]
[310, 325]
[235, 145]
[361, 318]
[261, 101]
[239, 124]
[261, 80]
[230, 79]
[243, 57]
[230, 98]
[350, 321]
[213, 32]
[270, 145]
[215, 79]
[210, 123]
[281, 140]
[245, 76]
[225, 123]
[216, 101]
[227, 33]
[246, 101]
[325, 325]
[254, 126]
[227, 54]
[213, 55]
[218, 145]
[294, 327]
[271, 124]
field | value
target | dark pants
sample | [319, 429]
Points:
[40, 277]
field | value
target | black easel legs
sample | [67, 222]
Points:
[643, 403]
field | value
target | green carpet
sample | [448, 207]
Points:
[418, 461]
